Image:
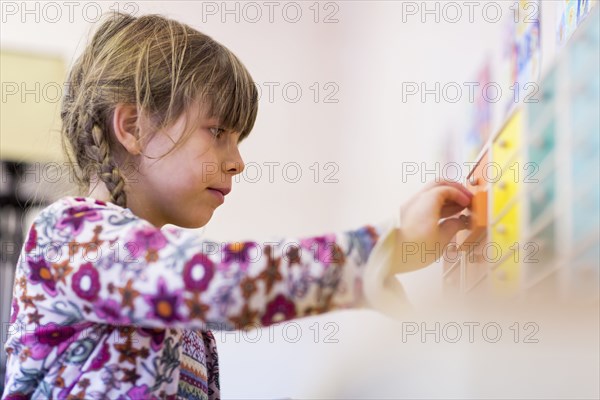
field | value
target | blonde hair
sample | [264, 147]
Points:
[163, 67]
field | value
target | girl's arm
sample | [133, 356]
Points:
[116, 268]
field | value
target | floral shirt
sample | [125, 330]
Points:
[107, 306]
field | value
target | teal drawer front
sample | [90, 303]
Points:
[586, 213]
[543, 102]
[586, 168]
[541, 196]
[542, 144]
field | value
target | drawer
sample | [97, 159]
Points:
[585, 121]
[476, 266]
[505, 234]
[507, 143]
[505, 277]
[585, 169]
[586, 213]
[543, 102]
[506, 189]
[538, 254]
[541, 196]
[477, 212]
[542, 145]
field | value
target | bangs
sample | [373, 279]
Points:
[229, 94]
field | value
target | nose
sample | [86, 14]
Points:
[233, 164]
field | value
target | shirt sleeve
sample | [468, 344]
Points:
[106, 265]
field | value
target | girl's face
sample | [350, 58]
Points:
[184, 187]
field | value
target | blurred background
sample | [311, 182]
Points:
[354, 96]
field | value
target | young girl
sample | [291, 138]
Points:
[108, 301]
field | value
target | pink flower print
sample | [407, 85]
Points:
[322, 248]
[41, 273]
[138, 392]
[198, 272]
[31, 240]
[145, 240]
[157, 337]
[165, 305]
[47, 337]
[17, 396]
[15, 311]
[101, 358]
[280, 309]
[239, 252]
[110, 311]
[86, 283]
[76, 216]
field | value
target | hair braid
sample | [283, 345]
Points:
[99, 153]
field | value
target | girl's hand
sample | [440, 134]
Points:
[422, 236]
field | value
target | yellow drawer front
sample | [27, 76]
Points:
[508, 141]
[505, 277]
[505, 189]
[505, 232]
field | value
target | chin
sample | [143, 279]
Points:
[191, 218]
[197, 222]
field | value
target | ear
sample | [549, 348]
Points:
[125, 126]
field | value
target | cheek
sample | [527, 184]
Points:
[204, 169]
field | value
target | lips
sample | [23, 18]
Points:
[223, 190]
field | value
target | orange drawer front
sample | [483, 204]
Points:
[477, 212]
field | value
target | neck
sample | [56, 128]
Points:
[98, 190]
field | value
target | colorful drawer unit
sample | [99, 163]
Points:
[477, 183]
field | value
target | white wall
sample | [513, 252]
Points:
[369, 133]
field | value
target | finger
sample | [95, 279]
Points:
[449, 209]
[454, 184]
[447, 195]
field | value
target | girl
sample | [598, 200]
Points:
[108, 301]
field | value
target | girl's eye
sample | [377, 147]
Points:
[217, 132]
